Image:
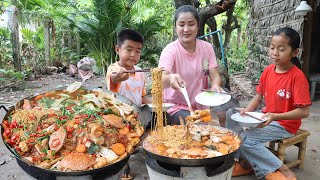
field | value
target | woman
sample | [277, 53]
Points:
[188, 62]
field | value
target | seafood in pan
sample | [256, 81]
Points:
[192, 142]
[73, 131]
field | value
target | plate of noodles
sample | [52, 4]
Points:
[212, 99]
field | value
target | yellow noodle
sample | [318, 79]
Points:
[157, 101]
[170, 136]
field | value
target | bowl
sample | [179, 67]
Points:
[247, 121]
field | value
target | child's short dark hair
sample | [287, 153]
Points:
[129, 34]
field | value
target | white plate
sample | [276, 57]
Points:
[247, 121]
[212, 99]
[165, 106]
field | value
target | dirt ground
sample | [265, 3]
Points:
[61, 80]
[45, 84]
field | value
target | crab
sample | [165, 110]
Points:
[76, 162]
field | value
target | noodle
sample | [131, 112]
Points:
[157, 101]
[172, 136]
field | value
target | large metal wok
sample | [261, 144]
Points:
[214, 161]
[40, 173]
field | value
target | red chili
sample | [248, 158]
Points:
[9, 141]
[5, 136]
[32, 117]
[51, 115]
[40, 135]
[68, 108]
[31, 140]
[63, 117]
[7, 132]
[69, 135]
[77, 121]
[69, 129]
[35, 159]
[14, 137]
[32, 134]
[17, 148]
[56, 127]
[13, 124]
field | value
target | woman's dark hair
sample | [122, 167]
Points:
[129, 34]
[294, 41]
[184, 9]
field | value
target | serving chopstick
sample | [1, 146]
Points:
[222, 92]
[136, 70]
[261, 120]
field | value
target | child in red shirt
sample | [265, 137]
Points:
[285, 90]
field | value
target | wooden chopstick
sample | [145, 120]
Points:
[222, 92]
[261, 120]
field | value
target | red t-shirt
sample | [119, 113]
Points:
[284, 92]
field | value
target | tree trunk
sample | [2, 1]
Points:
[69, 41]
[54, 41]
[69, 34]
[15, 40]
[227, 27]
[46, 28]
[63, 43]
[78, 44]
[211, 10]
[238, 37]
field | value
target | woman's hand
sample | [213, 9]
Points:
[271, 117]
[176, 82]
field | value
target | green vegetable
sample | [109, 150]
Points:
[47, 102]
[107, 111]
[93, 149]
[27, 134]
[45, 150]
[42, 138]
[211, 147]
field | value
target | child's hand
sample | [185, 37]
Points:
[121, 75]
[270, 116]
